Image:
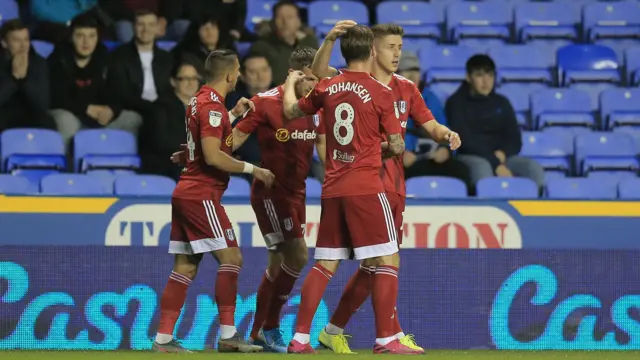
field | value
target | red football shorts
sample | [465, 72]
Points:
[279, 219]
[398, 203]
[199, 226]
[363, 224]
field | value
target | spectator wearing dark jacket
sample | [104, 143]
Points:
[80, 97]
[487, 123]
[201, 39]
[24, 81]
[231, 13]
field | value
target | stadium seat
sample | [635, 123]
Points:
[550, 150]
[436, 187]
[314, 188]
[632, 64]
[620, 107]
[581, 188]
[31, 149]
[143, 185]
[519, 96]
[107, 177]
[8, 10]
[166, 45]
[443, 90]
[238, 187]
[324, 14]
[105, 149]
[615, 176]
[243, 48]
[591, 63]
[111, 45]
[42, 48]
[546, 21]
[414, 45]
[14, 185]
[617, 20]
[486, 20]
[445, 63]
[417, 18]
[257, 12]
[526, 63]
[71, 184]
[550, 175]
[629, 189]
[507, 188]
[550, 107]
[34, 176]
[605, 151]
[634, 131]
[336, 60]
[593, 90]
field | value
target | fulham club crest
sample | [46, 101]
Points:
[316, 120]
[230, 235]
[288, 224]
[403, 107]
[215, 118]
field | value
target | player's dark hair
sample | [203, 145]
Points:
[480, 62]
[302, 57]
[250, 56]
[356, 44]
[280, 4]
[10, 26]
[382, 30]
[84, 21]
[218, 63]
[143, 12]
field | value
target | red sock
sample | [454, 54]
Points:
[262, 303]
[172, 301]
[384, 296]
[312, 291]
[355, 293]
[226, 291]
[396, 321]
[282, 286]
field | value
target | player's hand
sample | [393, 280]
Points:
[242, 106]
[503, 171]
[264, 175]
[294, 77]
[454, 140]
[180, 157]
[339, 29]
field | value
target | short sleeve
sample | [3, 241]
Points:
[388, 118]
[419, 112]
[254, 118]
[212, 118]
[312, 103]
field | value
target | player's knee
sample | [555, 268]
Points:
[274, 262]
[188, 270]
[296, 254]
[331, 265]
[396, 259]
[229, 256]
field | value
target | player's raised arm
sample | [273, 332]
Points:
[308, 105]
[421, 114]
[320, 66]
[252, 119]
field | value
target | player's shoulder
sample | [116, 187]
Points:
[209, 99]
[380, 86]
[404, 82]
[269, 95]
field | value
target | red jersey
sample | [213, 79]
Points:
[206, 116]
[357, 109]
[286, 150]
[408, 103]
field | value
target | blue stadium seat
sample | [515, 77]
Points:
[634, 131]
[551, 107]
[551, 175]
[143, 185]
[42, 48]
[257, 12]
[443, 90]
[445, 63]
[617, 20]
[507, 188]
[551, 150]
[615, 176]
[605, 151]
[546, 21]
[31, 148]
[593, 90]
[629, 189]
[238, 187]
[166, 45]
[486, 20]
[526, 63]
[108, 177]
[314, 188]
[111, 45]
[336, 60]
[243, 48]
[8, 10]
[105, 149]
[620, 107]
[414, 45]
[14, 185]
[632, 64]
[71, 184]
[592, 63]
[416, 17]
[324, 14]
[519, 96]
[581, 188]
[34, 176]
[436, 187]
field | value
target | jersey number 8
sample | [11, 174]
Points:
[345, 122]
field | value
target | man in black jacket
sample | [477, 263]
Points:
[24, 81]
[80, 97]
[487, 122]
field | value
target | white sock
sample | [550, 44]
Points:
[333, 330]
[227, 331]
[163, 338]
[399, 335]
[302, 338]
[385, 341]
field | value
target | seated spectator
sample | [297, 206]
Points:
[201, 39]
[168, 132]
[80, 97]
[287, 34]
[409, 67]
[54, 16]
[139, 70]
[487, 124]
[24, 80]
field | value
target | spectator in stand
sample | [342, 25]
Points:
[409, 67]
[24, 80]
[79, 94]
[139, 70]
[168, 133]
[201, 39]
[54, 16]
[287, 34]
[487, 123]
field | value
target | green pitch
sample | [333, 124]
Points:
[364, 354]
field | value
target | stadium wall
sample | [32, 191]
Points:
[86, 273]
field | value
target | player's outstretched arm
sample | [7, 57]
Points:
[321, 147]
[213, 156]
[440, 133]
[238, 138]
[320, 66]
